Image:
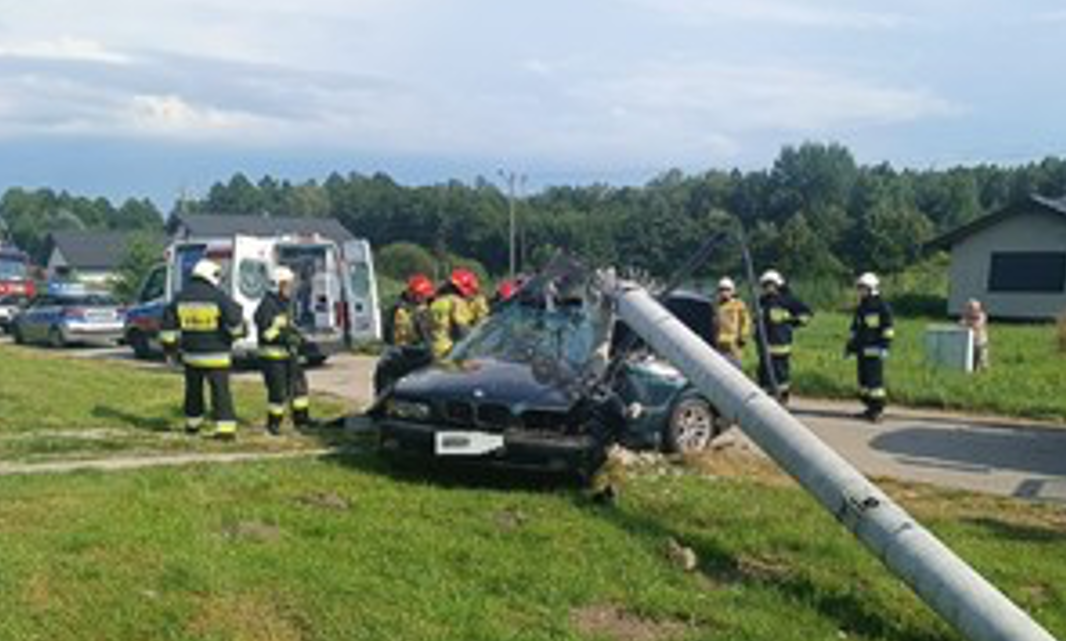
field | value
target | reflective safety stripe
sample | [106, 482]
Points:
[874, 352]
[281, 321]
[889, 333]
[169, 337]
[780, 350]
[803, 319]
[226, 427]
[214, 360]
[780, 315]
[274, 353]
[238, 331]
[873, 321]
[194, 421]
[301, 403]
[275, 409]
[877, 392]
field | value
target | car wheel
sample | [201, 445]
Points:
[139, 342]
[690, 427]
[17, 334]
[55, 338]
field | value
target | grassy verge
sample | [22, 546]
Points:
[1027, 377]
[57, 406]
[345, 549]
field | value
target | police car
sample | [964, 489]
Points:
[69, 313]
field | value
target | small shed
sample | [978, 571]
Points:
[1013, 261]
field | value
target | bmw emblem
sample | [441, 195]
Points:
[479, 394]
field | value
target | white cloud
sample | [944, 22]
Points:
[799, 13]
[173, 115]
[65, 48]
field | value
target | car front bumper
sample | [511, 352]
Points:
[522, 449]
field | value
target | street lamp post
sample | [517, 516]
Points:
[511, 177]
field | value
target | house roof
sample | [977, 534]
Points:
[220, 225]
[1033, 204]
[97, 250]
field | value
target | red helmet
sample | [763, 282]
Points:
[465, 281]
[420, 287]
[506, 290]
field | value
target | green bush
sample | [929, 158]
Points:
[399, 261]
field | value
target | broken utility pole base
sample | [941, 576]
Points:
[940, 578]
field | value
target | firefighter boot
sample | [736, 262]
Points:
[273, 424]
[301, 418]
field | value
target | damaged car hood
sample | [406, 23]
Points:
[488, 380]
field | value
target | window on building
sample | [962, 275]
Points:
[1028, 272]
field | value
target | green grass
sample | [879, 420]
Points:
[1027, 377]
[345, 549]
[57, 406]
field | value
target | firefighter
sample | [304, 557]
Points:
[409, 334]
[734, 322]
[201, 324]
[872, 332]
[782, 313]
[410, 322]
[279, 354]
[458, 308]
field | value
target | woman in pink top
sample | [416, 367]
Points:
[976, 319]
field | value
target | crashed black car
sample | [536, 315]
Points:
[548, 387]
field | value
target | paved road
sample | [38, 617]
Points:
[999, 456]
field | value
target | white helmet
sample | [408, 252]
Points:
[283, 274]
[772, 277]
[869, 280]
[727, 284]
[208, 270]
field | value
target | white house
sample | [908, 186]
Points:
[1013, 261]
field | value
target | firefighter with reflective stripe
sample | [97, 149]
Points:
[782, 313]
[872, 331]
[458, 308]
[734, 322]
[409, 334]
[201, 324]
[410, 316]
[279, 354]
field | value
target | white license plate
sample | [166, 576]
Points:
[466, 443]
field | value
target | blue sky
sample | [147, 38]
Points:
[148, 98]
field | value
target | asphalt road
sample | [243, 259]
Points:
[1000, 456]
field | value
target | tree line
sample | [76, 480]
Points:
[815, 212]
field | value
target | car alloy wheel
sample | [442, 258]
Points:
[55, 338]
[692, 425]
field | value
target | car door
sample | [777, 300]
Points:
[250, 276]
[361, 292]
[36, 321]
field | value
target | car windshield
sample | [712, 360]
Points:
[12, 269]
[566, 337]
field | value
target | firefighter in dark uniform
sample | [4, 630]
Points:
[407, 333]
[201, 324]
[782, 313]
[279, 354]
[872, 331]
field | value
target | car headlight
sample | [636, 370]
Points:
[410, 410]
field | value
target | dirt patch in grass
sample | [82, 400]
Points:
[325, 500]
[616, 624]
[253, 531]
[248, 617]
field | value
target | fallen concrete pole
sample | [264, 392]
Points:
[951, 587]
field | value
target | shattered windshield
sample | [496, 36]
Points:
[567, 337]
